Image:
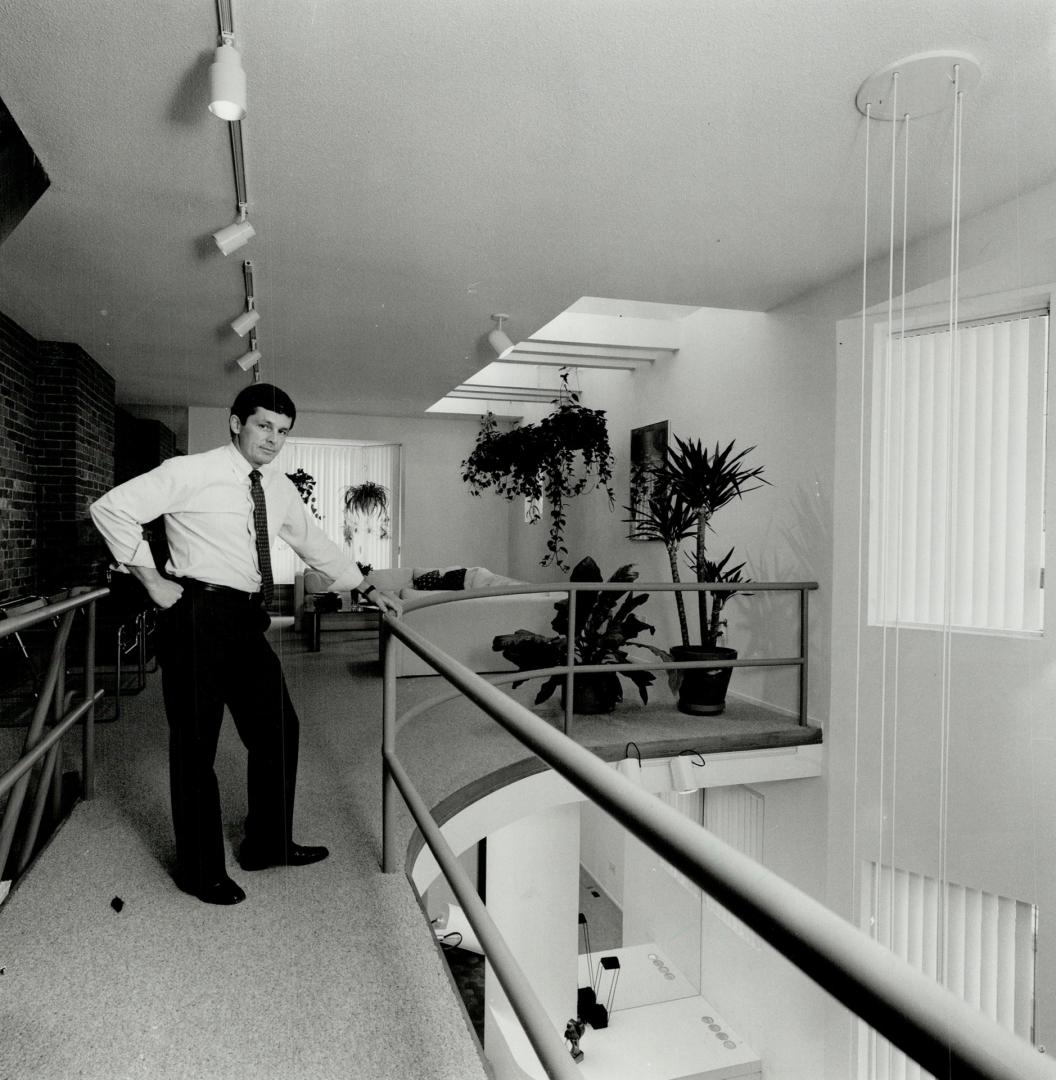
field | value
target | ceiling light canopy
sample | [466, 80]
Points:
[227, 82]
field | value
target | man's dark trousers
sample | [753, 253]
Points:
[213, 653]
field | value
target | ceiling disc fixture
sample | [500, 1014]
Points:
[924, 85]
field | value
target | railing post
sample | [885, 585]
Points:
[570, 662]
[59, 704]
[88, 731]
[388, 747]
[804, 639]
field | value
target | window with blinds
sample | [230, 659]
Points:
[979, 945]
[336, 465]
[957, 475]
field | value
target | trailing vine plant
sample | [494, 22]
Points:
[304, 482]
[557, 458]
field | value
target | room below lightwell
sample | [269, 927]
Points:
[609, 933]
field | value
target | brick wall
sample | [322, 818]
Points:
[56, 456]
[18, 490]
[75, 433]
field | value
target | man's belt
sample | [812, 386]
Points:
[225, 590]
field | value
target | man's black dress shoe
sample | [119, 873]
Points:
[221, 891]
[252, 858]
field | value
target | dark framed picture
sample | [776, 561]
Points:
[648, 450]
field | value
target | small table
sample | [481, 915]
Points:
[358, 617]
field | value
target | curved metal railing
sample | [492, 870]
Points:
[932, 1025]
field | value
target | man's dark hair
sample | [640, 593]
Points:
[263, 396]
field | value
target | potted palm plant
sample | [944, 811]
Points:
[606, 626]
[696, 482]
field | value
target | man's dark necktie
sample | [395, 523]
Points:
[260, 524]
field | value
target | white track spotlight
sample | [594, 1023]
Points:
[684, 778]
[250, 360]
[500, 340]
[245, 322]
[232, 237]
[227, 82]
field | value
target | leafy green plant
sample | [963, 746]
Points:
[665, 517]
[558, 458]
[304, 482]
[702, 481]
[606, 627]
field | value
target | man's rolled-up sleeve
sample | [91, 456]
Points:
[317, 549]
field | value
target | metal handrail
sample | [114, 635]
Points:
[52, 698]
[801, 661]
[932, 1025]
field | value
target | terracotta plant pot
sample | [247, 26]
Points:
[703, 690]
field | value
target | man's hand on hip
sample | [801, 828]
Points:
[163, 591]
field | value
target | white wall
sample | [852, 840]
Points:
[443, 524]
[769, 1002]
[533, 896]
[763, 380]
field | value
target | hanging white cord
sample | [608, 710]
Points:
[855, 891]
[951, 480]
[885, 479]
[901, 478]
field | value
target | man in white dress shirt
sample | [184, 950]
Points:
[212, 597]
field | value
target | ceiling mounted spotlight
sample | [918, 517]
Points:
[500, 340]
[227, 82]
[251, 359]
[249, 318]
[232, 237]
[246, 321]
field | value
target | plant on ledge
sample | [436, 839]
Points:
[690, 486]
[606, 626]
[558, 458]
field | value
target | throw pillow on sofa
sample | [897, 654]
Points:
[432, 580]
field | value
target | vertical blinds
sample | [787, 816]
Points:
[336, 465]
[957, 476]
[979, 944]
[735, 815]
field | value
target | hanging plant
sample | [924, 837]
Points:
[366, 500]
[558, 458]
[304, 482]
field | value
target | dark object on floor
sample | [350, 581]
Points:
[598, 1016]
[573, 1031]
[117, 903]
[586, 998]
[249, 858]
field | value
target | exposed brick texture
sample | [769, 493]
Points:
[63, 443]
[18, 456]
[75, 425]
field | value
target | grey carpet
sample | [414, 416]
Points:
[325, 971]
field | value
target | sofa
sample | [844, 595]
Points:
[464, 629]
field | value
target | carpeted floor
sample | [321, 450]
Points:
[324, 971]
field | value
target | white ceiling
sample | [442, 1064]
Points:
[416, 165]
